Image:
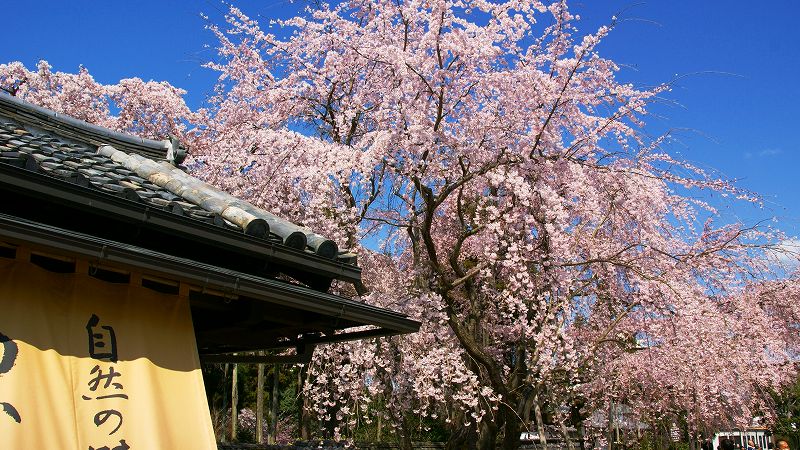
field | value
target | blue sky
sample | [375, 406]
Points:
[735, 104]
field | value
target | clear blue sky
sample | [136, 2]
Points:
[737, 99]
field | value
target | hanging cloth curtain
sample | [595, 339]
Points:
[88, 364]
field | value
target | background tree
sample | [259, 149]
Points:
[787, 409]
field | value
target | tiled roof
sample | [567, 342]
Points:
[111, 163]
[255, 281]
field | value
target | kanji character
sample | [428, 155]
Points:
[109, 378]
[102, 340]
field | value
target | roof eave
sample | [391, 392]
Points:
[387, 322]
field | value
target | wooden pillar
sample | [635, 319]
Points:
[224, 436]
[273, 429]
[305, 404]
[234, 402]
[260, 405]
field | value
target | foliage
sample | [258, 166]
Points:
[787, 406]
[218, 389]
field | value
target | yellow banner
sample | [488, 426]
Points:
[88, 364]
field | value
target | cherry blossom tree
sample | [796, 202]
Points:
[555, 254]
[502, 165]
[711, 364]
[148, 109]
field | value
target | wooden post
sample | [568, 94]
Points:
[224, 436]
[273, 431]
[260, 405]
[304, 418]
[234, 402]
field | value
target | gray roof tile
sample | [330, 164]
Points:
[130, 175]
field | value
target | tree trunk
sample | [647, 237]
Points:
[511, 428]
[526, 411]
[537, 412]
[460, 437]
[234, 401]
[404, 435]
[611, 439]
[380, 428]
[260, 405]
[273, 429]
[487, 439]
[565, 432]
